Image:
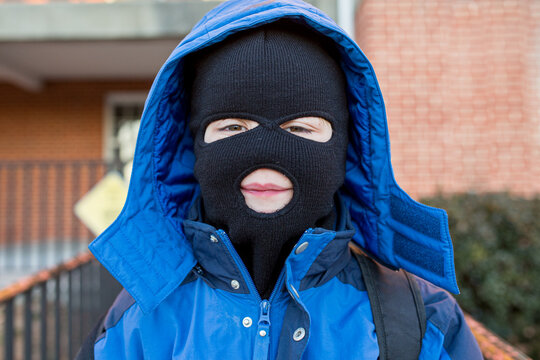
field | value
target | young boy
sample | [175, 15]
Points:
[262, 156]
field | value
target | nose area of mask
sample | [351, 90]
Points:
[266, 190]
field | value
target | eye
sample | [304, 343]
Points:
[224, 128]
[234, 127]
[297, 129]
[312, 128]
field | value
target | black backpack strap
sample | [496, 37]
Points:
[398, 309]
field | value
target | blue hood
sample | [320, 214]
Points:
[145, 248]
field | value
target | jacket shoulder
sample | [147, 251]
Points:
[121, 333]
[122, 303]
[447, 329]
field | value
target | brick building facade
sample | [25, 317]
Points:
[461, 84]
[63, 121]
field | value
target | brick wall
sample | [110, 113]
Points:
[461, 85]
[64, 121]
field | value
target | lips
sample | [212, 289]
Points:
[264, 189]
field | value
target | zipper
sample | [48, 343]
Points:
[262, 340]
[245, 273]
[264, 319]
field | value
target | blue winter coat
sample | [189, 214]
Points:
[187, 293]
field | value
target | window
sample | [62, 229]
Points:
[122, 119]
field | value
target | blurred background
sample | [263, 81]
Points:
[461, 82]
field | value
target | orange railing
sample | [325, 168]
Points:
[48, 315]
[492, 346]
[11, 291]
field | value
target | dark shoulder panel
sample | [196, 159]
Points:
[352, 275]
[443, 311]
[123, 302]
[345, 269]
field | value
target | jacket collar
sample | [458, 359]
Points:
[319, 251]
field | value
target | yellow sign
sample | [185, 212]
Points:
[102, 204]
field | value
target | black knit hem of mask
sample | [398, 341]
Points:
[262, 121]
[280, 212]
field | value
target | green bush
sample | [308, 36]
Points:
[497, 254]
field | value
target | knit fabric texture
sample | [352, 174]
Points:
[271, 75]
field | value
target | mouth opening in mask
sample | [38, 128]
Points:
[266, 191]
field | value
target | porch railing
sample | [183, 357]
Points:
[45, 314]
[492, 346]
[38, 228]
[48, 315]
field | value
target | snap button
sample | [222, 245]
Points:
[213, 239]
[299, 334]
[247, 321]
[303, 246]
[262, 333]
[235, 284]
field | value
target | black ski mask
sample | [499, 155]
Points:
[271, 74]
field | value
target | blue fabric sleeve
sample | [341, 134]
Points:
[447, 335]
[432, 344]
